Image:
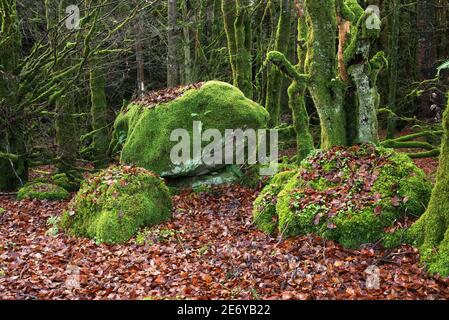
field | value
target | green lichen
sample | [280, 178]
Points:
[349, 195]
[111, 206]
[146, 131]
[42, 191]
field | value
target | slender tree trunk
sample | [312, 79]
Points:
[187, 46]
[99, 114]
[426, 10]
[140, 59]
[243, 40]
[67, 134]
[173, 40]
[393, 53]
[274, 85]
[229, 15]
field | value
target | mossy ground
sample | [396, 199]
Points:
[145, 132]
[111, 206]
[350, 195]
[42, 191]
[70, 184]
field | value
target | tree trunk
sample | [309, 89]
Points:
[274, 85]
[187, 46]
[393, 54]
[173, 40]
[243, 41]
[427, 49]
[228, 8]
[67, 137]
[321, 66]
[140, 59]
[431, 231]
[99, 114]
[13, 153]
[238, 33]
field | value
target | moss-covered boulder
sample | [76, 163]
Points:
[145, 130]
[112, 205]
[42, 191]
[69, 183]
[349, 195]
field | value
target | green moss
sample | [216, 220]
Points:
[42, 191]
[112, 205]
[68, 183]
[217, 105]
[2, 211]
[349, 195]
[264, 211]
[431, 232]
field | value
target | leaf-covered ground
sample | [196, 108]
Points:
[209, 250]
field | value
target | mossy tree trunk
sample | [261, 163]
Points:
[229, 11]
[274, 85]
[322, 67]
[99, 116]
[296, 91]
[173, 41]
[427, 49]
[393, 55]
[67, 134]
[431, 231]
[13, 163]
[363, 68]
[238, 32]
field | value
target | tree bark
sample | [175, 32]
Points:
[274, 85]
[173, 40]
[13, 153]
[427, 49]
[99, 115]
[322, 68]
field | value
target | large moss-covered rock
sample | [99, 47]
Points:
[145, 130]
[111, 206]
[350, 195]
[42, 191]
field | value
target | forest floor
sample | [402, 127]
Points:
[209, 250]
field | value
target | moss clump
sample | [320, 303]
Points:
[264, 211]
[69, 183]
[349, 195]
[112, 205]
[42, 191]
[145, 132]
[2, 210]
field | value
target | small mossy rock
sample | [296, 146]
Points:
[351, 195]
[226, 176]
[112, 205]
[68, 183]
[264, 210]
[42, 191]
[145, 131]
